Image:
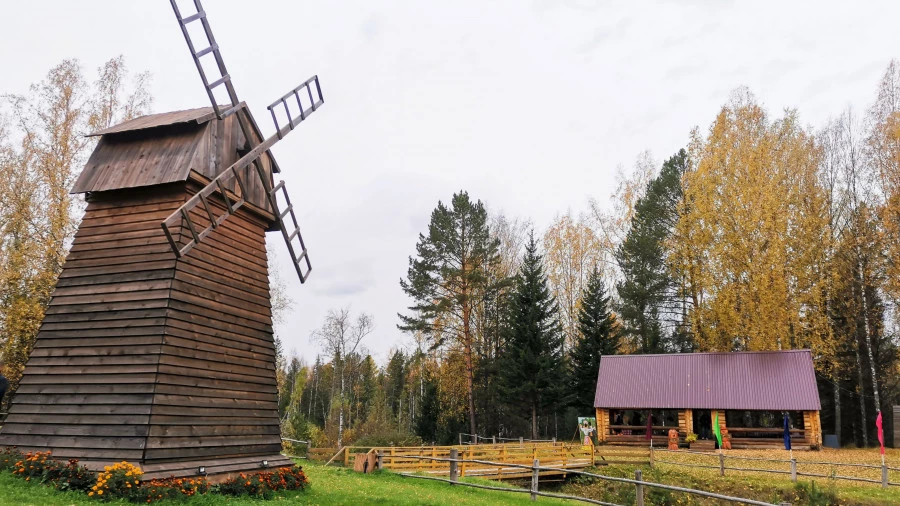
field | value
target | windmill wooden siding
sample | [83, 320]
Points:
[167, 363]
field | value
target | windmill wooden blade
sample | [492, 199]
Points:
[224, 78]
[249, 166]
[303, 257]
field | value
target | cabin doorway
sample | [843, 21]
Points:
[703, 424]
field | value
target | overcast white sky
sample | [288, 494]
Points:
[529, 105]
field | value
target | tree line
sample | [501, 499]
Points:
[761, 234]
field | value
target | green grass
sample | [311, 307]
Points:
[329, 486]
[769, 488]
[336, 485]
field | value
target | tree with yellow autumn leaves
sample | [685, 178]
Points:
[42, 147]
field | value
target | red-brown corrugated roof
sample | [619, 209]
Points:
[769, 380]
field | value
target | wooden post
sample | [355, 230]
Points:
[534, 479]
[454, 465]
[554, 440]
[638, 488]
[651, 456]
[346, 457]
[685, 422]
[721, 463]
[602, 424]
[460, 439]
[493, 440]
[884, 475]
[433, 454]
[474, 439]
[794, 470]
[380, 460]
[521, 440]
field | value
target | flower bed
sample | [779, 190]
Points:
[123, 480]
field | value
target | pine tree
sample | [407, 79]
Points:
[597, 337]
[533, 372]
[450, 278]
[647, 288]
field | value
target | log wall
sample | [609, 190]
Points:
[685, 422]
[602, 424]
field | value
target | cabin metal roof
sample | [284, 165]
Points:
[768, 380]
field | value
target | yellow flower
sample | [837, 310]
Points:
[99, 492]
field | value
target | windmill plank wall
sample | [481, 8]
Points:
[217, 365]
[87, 390]
[166, 363]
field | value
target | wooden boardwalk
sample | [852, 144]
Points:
[496, 461]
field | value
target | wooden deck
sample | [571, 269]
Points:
[496, 461]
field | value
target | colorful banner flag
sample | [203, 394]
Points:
[787, 432]
[880, 425]
[717, 430]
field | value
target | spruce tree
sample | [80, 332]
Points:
[597, 336]
[532, 375]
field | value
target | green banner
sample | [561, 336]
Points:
[716, 430]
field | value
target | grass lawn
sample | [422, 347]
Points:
[337, 485]
[768, 487]
[330, 485]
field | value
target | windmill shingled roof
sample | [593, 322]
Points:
[770, 380]
[200, 115]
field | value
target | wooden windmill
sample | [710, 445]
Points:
[157, 346]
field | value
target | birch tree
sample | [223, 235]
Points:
[340, 334]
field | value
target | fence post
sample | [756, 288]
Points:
[379, 460]
[454, 469]
[638, 488]
[521, 440]
[534, 479]
[721, 464]
[493, 440]
[651, 456]
[794, 470]
[474, 439]
[884, 476]
[554, 439]
[460, 439]
[346, 457]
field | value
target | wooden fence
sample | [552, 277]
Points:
[792, 467]
[534, 470]
[558, 455]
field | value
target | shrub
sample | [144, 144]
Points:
[123, 480]
[120, 480]
[173, 488]
[71, 476]
[35, 465]
[264, 484]
[8, 458]
[690, 438]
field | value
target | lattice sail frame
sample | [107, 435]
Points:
[224, 182]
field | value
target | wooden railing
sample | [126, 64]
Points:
[562, 456]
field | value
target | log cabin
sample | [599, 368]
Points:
[747, 393]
